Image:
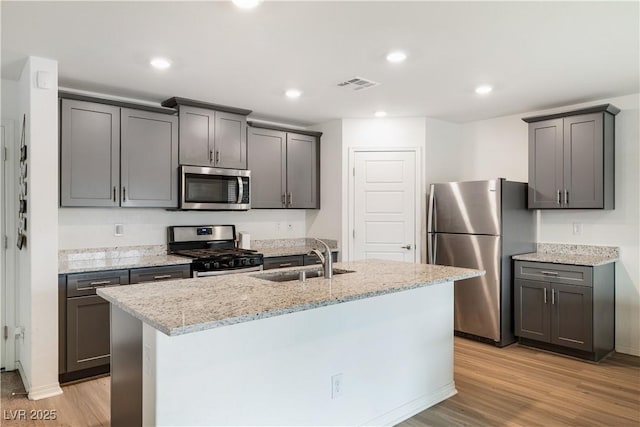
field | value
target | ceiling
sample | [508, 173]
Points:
[536, 55]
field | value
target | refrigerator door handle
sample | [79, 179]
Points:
[431, 209]
[431, 248]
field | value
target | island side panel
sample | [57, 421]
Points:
[126, 369]
[394, 352]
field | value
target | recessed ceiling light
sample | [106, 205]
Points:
[293, 93]
[246, 4]
[396, 56]
[160, 63]
[483, 90]
[380, 114]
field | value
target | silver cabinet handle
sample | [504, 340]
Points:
[286, 264]
[550, 273]
[124, 194]
[100, 283]
[559, 197]
[240, 190]
[290, 199]
[407, 247]
[284, 200]
[210, 156]
[553, 297]
[217, 157]
[545, 295]
[114, 193]
[162, 276]
[566, 197]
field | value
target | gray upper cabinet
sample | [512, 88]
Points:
[89, 154]
[267, 159]
[571, 159]
[112, 155]
[197, 133]
[284, 168]
[149, 165]
[211, 135]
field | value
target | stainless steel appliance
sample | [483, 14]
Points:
[203, 188]
[213, 249]
[481, 224]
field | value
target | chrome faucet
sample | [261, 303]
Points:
[325, 258]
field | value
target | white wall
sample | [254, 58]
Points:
[498, 148]
[38, 266]
[94, 227]
[325, 222]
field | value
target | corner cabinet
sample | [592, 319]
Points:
[211, 135]
[565, 308]
[113, 156]
[285, 167]
[571, 159]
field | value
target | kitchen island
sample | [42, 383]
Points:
[371, 346]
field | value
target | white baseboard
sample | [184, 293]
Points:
[45, 391]
[413, 407]
[627, 350]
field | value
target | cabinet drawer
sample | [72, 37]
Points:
[156, 274]
[82, 284]
[283, 261]
[313, 259]
[556, 273]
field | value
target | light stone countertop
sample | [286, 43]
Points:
[190, 305]
[572, 254]
[88, 265]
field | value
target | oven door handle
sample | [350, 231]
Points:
[240, 190]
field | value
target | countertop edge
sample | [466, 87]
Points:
[535, 257]
[273, 313]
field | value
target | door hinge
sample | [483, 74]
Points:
[5, 154]
[6, 332]
[6, 241]
[354, 233]
[354, 171]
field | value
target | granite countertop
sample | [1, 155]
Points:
[559, 253]
[97, 259]
[191, 305]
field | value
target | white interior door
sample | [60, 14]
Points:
[384, 205]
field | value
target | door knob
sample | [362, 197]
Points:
[407, 247]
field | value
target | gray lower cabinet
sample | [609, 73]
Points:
[113, 156]
[284, 169]
[156, 274]
[565, 308]
[571, 159]
[149, 159]
[89, 154]
[212, 138]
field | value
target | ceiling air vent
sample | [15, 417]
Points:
[358, 83]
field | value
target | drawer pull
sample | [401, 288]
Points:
[550, 273]
[553, 297]
[100, 283]
[162, 276]
[545, 295]
[286, 264]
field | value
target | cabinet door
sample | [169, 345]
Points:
[197, 133]
[88, 333]
[266, 159]
[230, 141]
[89, 154]
[302, 171]
[545, 164]
[532, 310]
[149, 165]
[584, 161]
[571, 317]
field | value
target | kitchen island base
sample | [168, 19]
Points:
[372, 361]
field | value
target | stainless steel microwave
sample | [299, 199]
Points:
[203, 188]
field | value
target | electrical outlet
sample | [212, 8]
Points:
[278, 227]
[337, 386]
[577, 228]
[289, 228]
[118, 230]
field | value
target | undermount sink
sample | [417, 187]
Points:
[287, 276]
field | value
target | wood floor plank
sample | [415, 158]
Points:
[513, 386]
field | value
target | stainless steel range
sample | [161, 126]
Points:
[213, 249]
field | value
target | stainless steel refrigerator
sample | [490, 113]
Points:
[481, 224]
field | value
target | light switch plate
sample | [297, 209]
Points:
[577, 228]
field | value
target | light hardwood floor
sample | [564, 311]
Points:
[513, 386]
